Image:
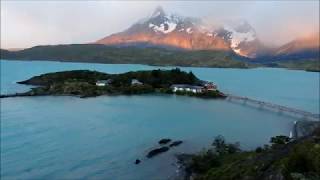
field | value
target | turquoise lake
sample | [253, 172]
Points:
[99, 138]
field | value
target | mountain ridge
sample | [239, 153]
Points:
[180, 32]
[162, 29]
[173, 40]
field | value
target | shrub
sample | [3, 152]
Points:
[205, 161]
[222, 147]
[303, 161]
[259, 149]
[280, 139]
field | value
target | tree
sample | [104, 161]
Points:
[192, 77]
[280, 140]
[219, 144]
[222, 147]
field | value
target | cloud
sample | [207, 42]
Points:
[30, 23]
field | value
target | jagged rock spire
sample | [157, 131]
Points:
[158, 11]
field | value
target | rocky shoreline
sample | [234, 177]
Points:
[304, 128]
[286, 158]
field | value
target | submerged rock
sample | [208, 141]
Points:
[138, 161]
[164, 141]
[157, 151]
[175, 143]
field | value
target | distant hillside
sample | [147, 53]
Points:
[94, 53]
[309, 43]
[303, 48]
[5, 53]
[300, 49]
[308, 65]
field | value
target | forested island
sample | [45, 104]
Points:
[85, 83]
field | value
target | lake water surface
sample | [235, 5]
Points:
[100, 138]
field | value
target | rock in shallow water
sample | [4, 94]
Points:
[164, 141]
[137, 161]
[157, 151]
[175, 143]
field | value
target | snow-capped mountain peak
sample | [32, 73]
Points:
[165, 27]
[177, 31]
[241, 33]
[161, 22]
[241, 36]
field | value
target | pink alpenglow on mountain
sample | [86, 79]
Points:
[307, 43]
[174, 31]
[161, 29]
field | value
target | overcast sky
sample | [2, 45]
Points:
[29, 23]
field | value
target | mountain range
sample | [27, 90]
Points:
[170, 30]
[187, 33]
[171, 39]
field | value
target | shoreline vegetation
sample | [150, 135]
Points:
[309, 65]
[85, 83]
[154, 56]
[284, 158]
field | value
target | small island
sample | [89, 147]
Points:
[85, 83]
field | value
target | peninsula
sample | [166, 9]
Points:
[85, 83]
